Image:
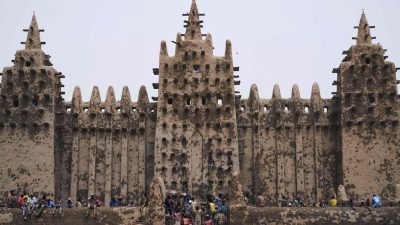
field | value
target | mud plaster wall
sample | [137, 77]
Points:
[369, 116]
[287, 146]
[198, 130]
[28, 97]
[345, 216]
[196, 134]
[108, 146]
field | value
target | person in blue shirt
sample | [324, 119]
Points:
[376, 201]
[113, 202]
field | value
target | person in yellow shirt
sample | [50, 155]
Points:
[213, 210]
[333, 202]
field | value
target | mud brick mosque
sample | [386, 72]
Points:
[198, 131]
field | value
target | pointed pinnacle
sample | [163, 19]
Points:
[193, 25]
[33, 38]
[364, 35]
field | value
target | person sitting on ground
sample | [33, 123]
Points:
[41, 204]
[260, 202]
[298, 203]
[99, 203]
[333, 202]
[113, 202]
[23, 206]
[50, 203]
[91, 205]
[79, 202]
[69, 203]
[12, 200]
[58, 205]
[31, 204]
[376, 201]
[368, 203]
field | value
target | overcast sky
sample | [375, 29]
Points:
[103, 43]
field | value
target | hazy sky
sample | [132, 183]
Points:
[103, 43]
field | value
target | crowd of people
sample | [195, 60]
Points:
[33, 206]
[179, 209]
[374, 202]
[185, 209]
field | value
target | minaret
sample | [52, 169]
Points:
[33, 38]
[364, 35]
[31, 92]
[368, 109]
[196, 144]
[193, 25]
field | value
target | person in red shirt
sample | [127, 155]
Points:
[22, 205]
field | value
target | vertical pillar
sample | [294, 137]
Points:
[75, 164]
[141, 160]
[124, 164]
[92, 162]
[318, 154]
[299, 162]
[108, 167]
[280, 176]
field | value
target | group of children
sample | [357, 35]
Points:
[32, 206]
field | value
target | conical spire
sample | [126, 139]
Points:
[228, 49]
[276, 93]
[76, 100]
[126, 100]
[95, 101]
[315, 93]
[193, 25]
[254, 99]
[33, 39]
[364, 35]
[295, 92]
[143, 99]
[110, 100]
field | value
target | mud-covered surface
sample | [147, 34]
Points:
[275, 215]
[74, 216]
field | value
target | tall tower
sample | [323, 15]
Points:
[196, 145]
[30, 90]
[368, 107]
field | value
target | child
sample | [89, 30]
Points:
[197, 215]
[58, 205]
[187, 220]
[177, 217]
[208, 221]
[22, 205]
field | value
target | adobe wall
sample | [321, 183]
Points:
[30, 91]
[288, 146]
[369, 117]
[196, 135]
[110, 216]
[108, 146]
[320, 216]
